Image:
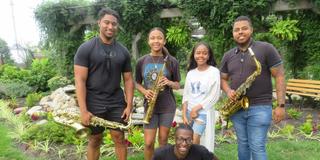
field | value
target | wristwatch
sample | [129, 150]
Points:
[281, 105]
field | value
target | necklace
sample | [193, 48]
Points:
[155, 62]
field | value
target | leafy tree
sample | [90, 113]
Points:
[286, 30]
[5, 53]
[217, 18]
[62, 31]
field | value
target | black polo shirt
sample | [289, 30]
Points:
[239, 65]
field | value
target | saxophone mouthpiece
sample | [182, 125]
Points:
[250, 51]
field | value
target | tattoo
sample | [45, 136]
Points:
[278, 74]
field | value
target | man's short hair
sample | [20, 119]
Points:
[184, 127]
[108, 11]
[242, 18]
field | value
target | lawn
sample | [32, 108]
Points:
[277, 150]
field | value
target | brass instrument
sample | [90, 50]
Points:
[156, 89]
[72, 119]
[232, 106]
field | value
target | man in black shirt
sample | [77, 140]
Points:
[183, 148]
[99, 65]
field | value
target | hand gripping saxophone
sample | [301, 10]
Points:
[72, 119]
[156, 89]
[232, 106]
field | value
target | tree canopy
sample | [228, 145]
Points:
[295, 33]
[5, 53]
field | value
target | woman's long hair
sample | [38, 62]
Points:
[192, 62]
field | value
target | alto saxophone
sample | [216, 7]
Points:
[72, 119]
[232, 106]
[156, 89]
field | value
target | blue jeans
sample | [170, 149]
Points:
[251, 128]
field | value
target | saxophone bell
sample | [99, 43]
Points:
[81, 131]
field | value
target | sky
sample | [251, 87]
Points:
[27, 32]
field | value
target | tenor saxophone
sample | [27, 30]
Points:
[232, 106]
[156, 89]
[72, 119]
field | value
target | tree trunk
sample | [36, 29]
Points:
[134, 46]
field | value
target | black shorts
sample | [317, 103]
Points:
[111, 114]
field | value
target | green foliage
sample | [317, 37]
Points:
[90, 34]
[178, 35]
[62, 32]
[41, 71]
[294, 113]
[311, 71]
[15, 88]
[136, 137]
[32, 99]
[5, 53]
[303, 54]
[8, 149]
[178, 98]
[107, 140]
[217, 17]
[306, 127]
[57, 82]
[286, 30]
[51, 131]
[11, 73]
[287, 130]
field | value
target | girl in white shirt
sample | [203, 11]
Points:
[201, 92]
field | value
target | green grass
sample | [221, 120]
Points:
[277, 150]
[7, 149]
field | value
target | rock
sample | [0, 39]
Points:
[19, 110]
[33, 109]
[137, 116]
[140, 110]
[43, 121]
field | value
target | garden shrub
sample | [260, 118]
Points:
[41, 70]
[135, 136]
[32, 99]
[57, 82]
[306, 127]
[294, 113]
[14, 88]
[51, 131]
[14, 73]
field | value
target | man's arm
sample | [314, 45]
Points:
[225, 86]
[81, 75]
[278, 73]
[128, 87]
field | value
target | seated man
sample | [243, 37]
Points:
[183, 148]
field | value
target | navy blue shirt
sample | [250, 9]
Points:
[239, 65]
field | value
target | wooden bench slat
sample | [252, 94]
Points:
[304, 81]
[304, 94]
[303, 85]
[299, 89]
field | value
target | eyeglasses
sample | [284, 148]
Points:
[181, 140]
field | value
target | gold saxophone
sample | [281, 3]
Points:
[72, 119]
[232, 106]
[156, 89]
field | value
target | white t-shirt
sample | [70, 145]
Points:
[202, 87]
